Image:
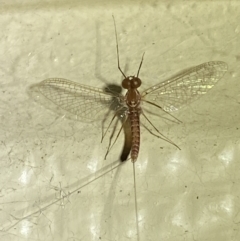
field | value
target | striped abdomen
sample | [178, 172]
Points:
[135, 129]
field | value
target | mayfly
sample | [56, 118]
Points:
[92, 103]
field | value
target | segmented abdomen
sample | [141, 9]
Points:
[135, 129]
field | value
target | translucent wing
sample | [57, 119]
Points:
[185, 87]
[87, 103]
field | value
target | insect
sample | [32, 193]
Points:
[91, 103]
[94, 104]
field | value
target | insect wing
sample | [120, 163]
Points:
[86, 102]
[185, 87]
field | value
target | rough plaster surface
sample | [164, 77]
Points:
[47, 160]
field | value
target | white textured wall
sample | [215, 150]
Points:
[192, 194]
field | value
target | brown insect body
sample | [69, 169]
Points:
[133, 100]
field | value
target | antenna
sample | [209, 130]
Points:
[117, 48]
[140, 64]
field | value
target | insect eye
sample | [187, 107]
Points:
[137, 82]
[126, 83]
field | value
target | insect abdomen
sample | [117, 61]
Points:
[135, 129]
